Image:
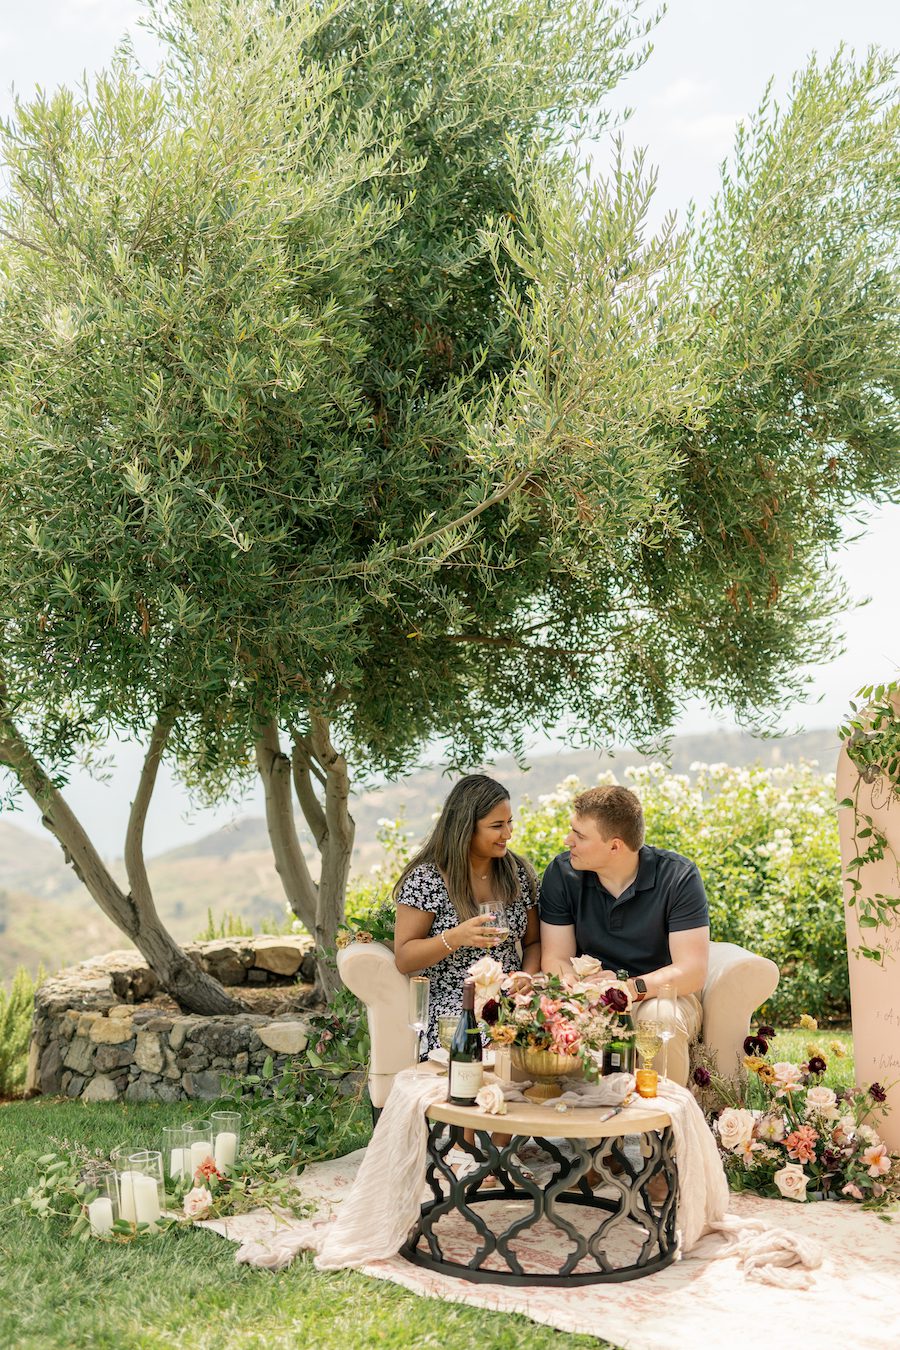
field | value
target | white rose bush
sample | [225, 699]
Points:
[782, 1132]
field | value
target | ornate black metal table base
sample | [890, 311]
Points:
[628, 1212]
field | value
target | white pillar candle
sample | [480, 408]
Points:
[179, 1161]
[200, 1151]
[226, 1149]
[126, 1196]
[146, 1199]
[100, 1213]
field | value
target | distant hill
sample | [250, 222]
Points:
[47, 917]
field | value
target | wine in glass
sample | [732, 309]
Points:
[499, 929]
[419, 992]
[666, 1020]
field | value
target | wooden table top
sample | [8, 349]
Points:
[528, 1118]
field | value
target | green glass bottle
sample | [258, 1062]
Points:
[618, 1054]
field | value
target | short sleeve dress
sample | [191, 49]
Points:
[424, 889]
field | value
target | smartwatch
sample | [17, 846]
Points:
[641, 987]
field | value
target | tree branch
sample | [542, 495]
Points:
[305, 769]
[135, 863]
[275, 772]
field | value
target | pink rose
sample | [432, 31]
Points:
[549, 1006]
[197, 1202]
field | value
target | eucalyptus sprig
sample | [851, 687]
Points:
[872, 738]
[64, 1189]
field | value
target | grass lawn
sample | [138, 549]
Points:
[185, 1290]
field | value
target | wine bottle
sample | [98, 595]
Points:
[466, 1068]
[618, 1054]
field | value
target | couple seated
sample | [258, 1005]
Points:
[609, 895]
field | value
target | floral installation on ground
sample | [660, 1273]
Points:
[782, 1132]
[575, 1015]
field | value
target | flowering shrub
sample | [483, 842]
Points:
[566, 1015]
[766, 843]
[785, 1133]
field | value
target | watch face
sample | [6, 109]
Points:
[640, 985]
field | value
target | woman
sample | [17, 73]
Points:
[465, 862]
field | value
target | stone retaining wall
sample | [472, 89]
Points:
[93, 1038]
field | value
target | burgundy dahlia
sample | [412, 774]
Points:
[490, 1011]
[756, 1045]
[816, 1064]
[877, 1093]
[768, 1032]
[702, 1077]
[616, 999]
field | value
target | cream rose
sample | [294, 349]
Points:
[490, 1099]
[197, 1202]
[488, 975]
[735, 1127]
[821, 1102]
[787, 1078]
[792, 1181]
[587, 968]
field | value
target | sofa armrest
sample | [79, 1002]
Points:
[368, 970]
[737, 982]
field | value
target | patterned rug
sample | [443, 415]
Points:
[854, 1300]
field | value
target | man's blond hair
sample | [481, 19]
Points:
[617, 812]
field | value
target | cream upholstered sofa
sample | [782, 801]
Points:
[736, 984]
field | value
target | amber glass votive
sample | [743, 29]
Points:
[647, 1082]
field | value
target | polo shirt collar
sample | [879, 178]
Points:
[646, 873]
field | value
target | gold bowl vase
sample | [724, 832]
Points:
[545, 1069]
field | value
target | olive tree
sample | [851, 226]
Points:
[344, 410]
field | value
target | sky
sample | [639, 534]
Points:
[710, 65]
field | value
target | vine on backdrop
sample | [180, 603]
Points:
[872, 737]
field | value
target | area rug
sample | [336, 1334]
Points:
[854, 1299]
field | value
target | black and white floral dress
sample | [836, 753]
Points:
[424, 889]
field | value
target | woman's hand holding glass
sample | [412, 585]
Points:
[479, 931]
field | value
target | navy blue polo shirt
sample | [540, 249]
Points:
[632, 932]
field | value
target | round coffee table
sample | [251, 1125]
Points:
[628, 1218]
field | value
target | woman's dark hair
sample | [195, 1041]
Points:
[447, 847]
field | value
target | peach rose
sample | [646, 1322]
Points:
[792, 1181]
[821, 1102]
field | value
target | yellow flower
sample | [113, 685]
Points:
[343, 939]
[503, 1033]
[808, 1023]
[753, 1063]
[766, 1073]
[812, 1049]
[837, 1049]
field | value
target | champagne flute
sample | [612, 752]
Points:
[419, 992]
[666, 1020]
[497, 916]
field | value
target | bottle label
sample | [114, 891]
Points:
[615, 1059]
[466, 1079]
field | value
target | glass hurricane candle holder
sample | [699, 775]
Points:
[198, 1142]
[104, 1210]
[141, 1191]
[226, 1133]
[176, 1155]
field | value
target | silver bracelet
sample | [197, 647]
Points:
[446, 943]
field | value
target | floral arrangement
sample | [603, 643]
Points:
[575, 1015]
[212, 1192]
[785, 1133]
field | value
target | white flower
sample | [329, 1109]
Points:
[491, 1100]
[771, 1128]
[792, 1181]
[585, 967]
[735, 1127]
[821, 1102]
[866, 1132]
[197, 1202]
[787, 1077]
[488, 975]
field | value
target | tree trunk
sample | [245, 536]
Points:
[290, 864]
[135, 914]
[337, 849]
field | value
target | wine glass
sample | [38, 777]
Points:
[419, 992]
[648, 1042]
[497, 916]
[666, 1020]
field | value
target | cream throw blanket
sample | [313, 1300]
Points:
[381, 1207]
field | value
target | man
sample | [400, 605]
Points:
[634, 907]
